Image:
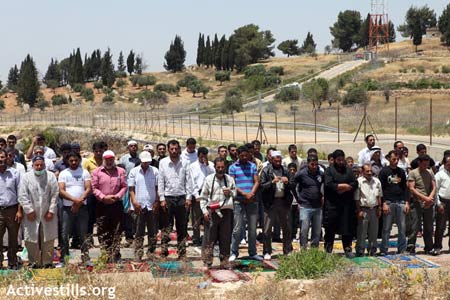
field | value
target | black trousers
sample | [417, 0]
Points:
[218, 229]
[175, 210]
[109, 227]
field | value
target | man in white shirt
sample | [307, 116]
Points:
[40, 151]
[368, 210]
[443, 204]
[144, 201]
[189, 154]
[74, 188]
[364, 155]
[174, 200]
[11, 163]
[39, 140]
[292, 157]
[196, 177]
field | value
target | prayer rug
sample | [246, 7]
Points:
[368, 262]
[408, 261]
[250, 265]
[174, 269]
[222, 276]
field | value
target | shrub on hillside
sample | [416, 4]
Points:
[233, 101]
[87, 94]
[290, 93]
[146, 80]
[2, 104]
[421, 69]
[108, 98]
[59, 100]
[134, 80]
[279, 70]
[355, 95]
[222, 76]
[166, 87]
[78, 87]
[254, 70]
[271, 80]
[445, 69]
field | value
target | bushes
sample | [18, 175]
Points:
[222, 76]
[290, 93]
[355, 95]
[254, 71]
[108, 98]
[146, 80]
[59, 100]
[166, 87]
[279, 70]
[309, 264]
[2, 104]
[232, 101]
[87, 94]
[445, 69]
[77, 88]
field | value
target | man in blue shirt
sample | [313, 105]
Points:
[247, 182]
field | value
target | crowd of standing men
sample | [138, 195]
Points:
[147, 192]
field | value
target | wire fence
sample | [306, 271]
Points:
[401, 116]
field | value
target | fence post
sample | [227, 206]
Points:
[173, 124]
[315, 126]
[181, 124]
[221, 128]
[232, 117]
[167, 124]
[190, 125]
[431, 121]
[210, 128]
[295, 129]
[339, 122]
[199, 126]
[395, 117]
[276, 128]
[246, 129]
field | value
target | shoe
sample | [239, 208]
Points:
[435, 252]
[359, 254]
[60, 265]
[33, 266]
[256, 257]
[373, 252]
[382, 253]
[267, 256]
[49, 266]
[349, 253]
[243, 242]
[232, 258]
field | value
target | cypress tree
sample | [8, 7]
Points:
[13, 78]
[175, 56]
[130, 62]
[76, 68]
[53, 72]
[218, 54]
[96, 62]
[120, 63]
[200, 49]
[107, 69]
[309, 46]
[207, 53]
[138, 67]
[28, 84]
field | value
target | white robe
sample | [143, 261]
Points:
[39, 194]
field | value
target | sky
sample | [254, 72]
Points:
[53, 28]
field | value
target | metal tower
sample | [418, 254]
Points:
[378, 25]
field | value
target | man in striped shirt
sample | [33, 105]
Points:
[246, 177]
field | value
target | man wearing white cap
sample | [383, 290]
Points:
[129, 161]
[149, 149]
[276, 183]
[109, 186]
[143, 186]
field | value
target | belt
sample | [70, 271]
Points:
[368, 207]
[7, 207]
[175, 197]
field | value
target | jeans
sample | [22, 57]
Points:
[397, 209]
[419, 214]
[251, 211]
[310, 218]
[80, 221]
[441, 223]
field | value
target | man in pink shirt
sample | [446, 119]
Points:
[109, 185]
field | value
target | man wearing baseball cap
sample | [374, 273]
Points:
[109, 186]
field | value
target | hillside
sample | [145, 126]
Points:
[294, 67]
